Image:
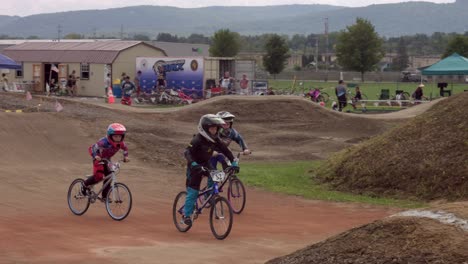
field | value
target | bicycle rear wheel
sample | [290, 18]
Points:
[77, 202]
[323, 97]
[236, 195]
[119, 202]
[178, 212]
[221, 218]
[405, 96]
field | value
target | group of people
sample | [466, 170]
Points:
[227, 85]
[207, 148]
[340, 92]
[127, 86]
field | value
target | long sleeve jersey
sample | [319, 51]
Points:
[229, 135]
[106, 150]
[200, 150]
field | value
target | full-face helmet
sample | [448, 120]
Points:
[208, 121]
[227, 117]
[113, 130]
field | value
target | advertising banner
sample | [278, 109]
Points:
[179, 73]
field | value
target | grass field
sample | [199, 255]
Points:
[371, 89]
[296, 178]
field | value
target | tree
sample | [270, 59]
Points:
[401, 61]
[141, 37]
[458, 44]
[359, 47]
[73, 36]
[225, 43]
[276, 54]
[167, 37]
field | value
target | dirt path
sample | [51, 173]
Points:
[42, 153]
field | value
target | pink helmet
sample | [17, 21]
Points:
[115, 129]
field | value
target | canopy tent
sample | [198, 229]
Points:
[454, 64]
[7, 63]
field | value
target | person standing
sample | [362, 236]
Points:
[340, 92]
[136, 81]
[5, 82]
[244, 85]
[73, 83]
[227, 83]
[107, 83]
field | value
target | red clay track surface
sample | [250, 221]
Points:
[41, 153]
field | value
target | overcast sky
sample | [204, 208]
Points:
[30, 7]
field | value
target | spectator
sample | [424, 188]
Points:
[357, 97]
[69, 85]
[5, 82]
[107, 83]
[340, 92]
[227, 83]
[161, 83]
[244, 85]
[418, 93]
[73, 83]
[136, 81]
[127, 89]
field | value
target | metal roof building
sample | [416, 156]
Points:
[91, 61]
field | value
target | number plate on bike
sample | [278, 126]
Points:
[218, 176]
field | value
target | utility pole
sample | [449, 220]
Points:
[326, 44]
[59, 32]
[121, 32]
[316, 53]
[94, 32]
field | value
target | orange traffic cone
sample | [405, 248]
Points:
[110, 96]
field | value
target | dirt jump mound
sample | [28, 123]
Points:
[424, 158]
[408, 237]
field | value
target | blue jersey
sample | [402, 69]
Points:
[229, 135]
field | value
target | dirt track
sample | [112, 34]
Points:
[43, 152]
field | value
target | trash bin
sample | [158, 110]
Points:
[117, 91]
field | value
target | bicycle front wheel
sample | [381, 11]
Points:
[236, 195]
[178, 212]
[77, 202]
[221, 218]
[119, 202]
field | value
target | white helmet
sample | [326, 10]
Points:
[226, 116]
[208, 121]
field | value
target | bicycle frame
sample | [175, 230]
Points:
[115, 169]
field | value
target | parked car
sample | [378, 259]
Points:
[412, 77]
[259, 87]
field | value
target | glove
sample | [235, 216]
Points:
[196, 169]
[235, 164]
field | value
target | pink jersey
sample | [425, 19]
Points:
[106, 150]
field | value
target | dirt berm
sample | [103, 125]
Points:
[425, 158]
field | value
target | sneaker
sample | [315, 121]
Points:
[187, 220]
[104, 200]
[84, 190]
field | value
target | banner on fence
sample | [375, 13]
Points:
[184, 73]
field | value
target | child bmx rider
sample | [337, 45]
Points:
[198, 154]
[102, 151]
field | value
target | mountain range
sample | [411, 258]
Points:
[389, 20]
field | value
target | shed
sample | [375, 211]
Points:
[91, 61]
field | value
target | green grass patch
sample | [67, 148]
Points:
[295, 178]
[370, 89]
